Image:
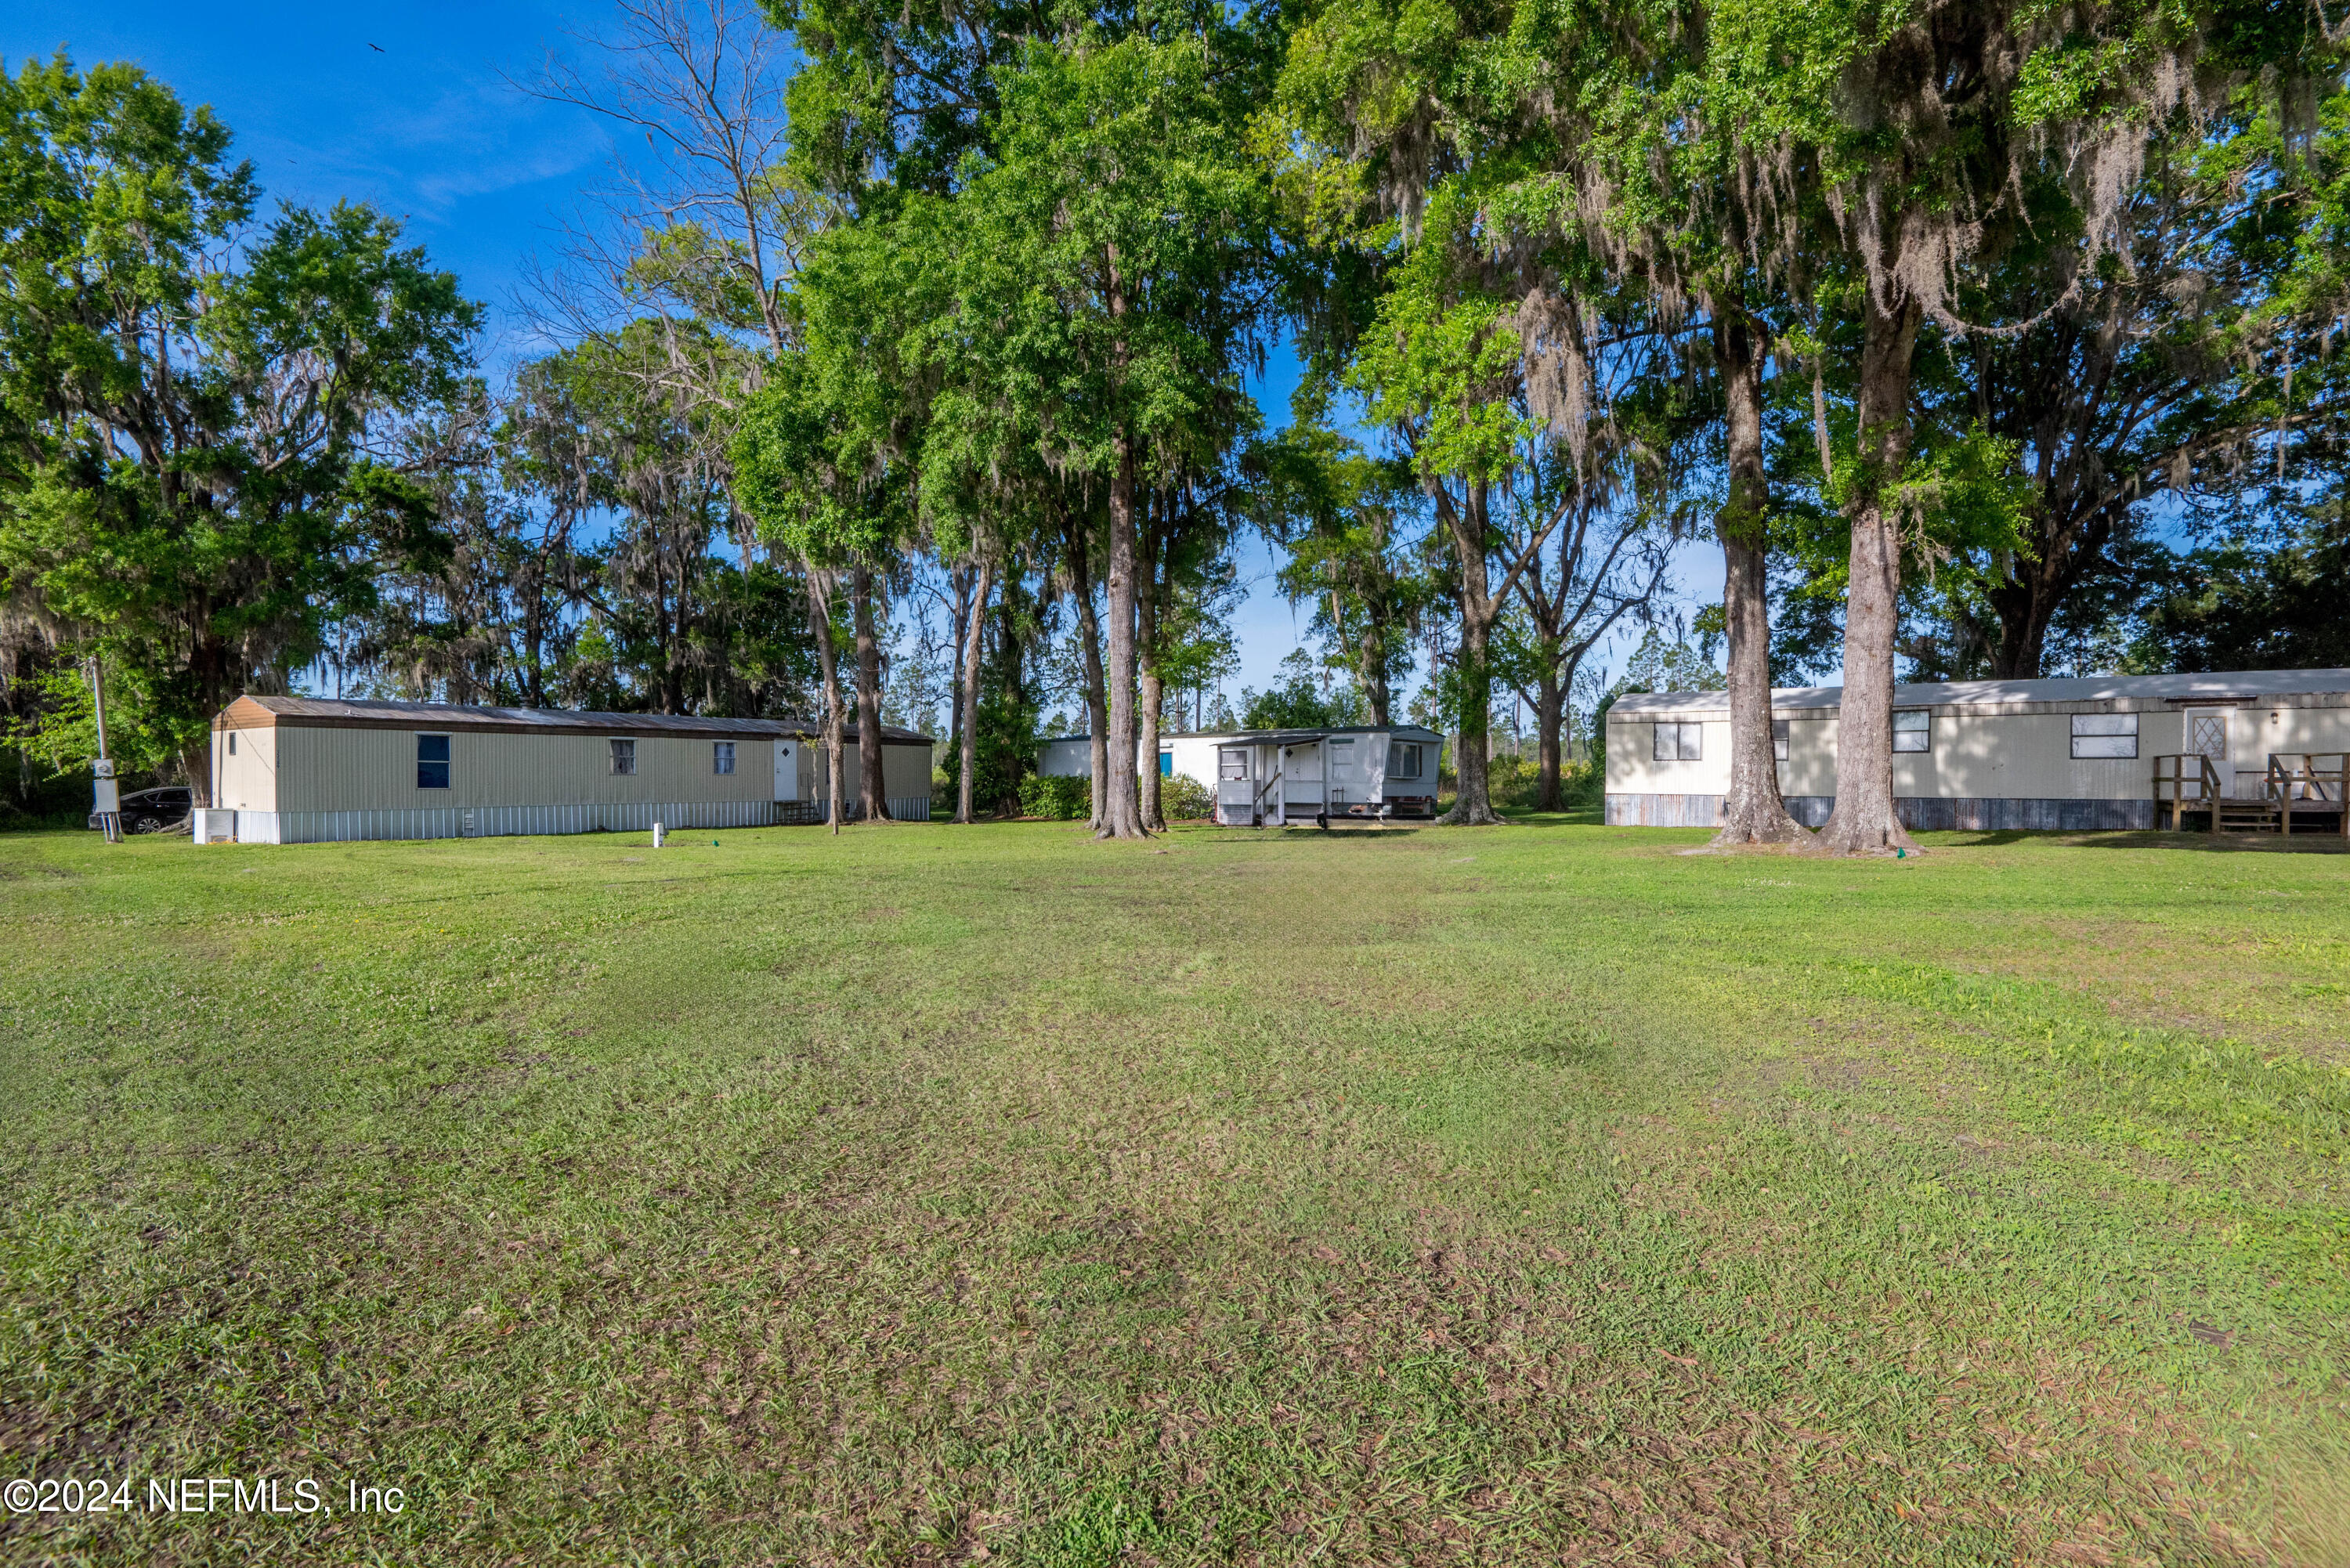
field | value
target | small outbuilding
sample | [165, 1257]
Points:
[2099, 753]
[307, 769]
[1265, 778]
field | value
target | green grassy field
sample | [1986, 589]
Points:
[935, 1195]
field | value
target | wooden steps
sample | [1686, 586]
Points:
[2246, 815]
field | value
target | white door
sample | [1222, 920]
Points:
[2207, 734]
[787, 770]
[1301, 770]
[1345, 785]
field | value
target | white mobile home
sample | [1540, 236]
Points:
[1265, 778]
[304, 770]
[2073, 755]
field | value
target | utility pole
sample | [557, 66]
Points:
[109, 793]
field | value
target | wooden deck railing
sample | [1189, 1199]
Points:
[2303, 782]
[2298, 779]
[2184, 777]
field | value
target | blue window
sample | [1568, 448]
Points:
[722, 756]
[1166, 764]
[432, 762]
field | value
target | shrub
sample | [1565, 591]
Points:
[1072, 799]
[1585, 787]
[1182, 798]
[1515, 783]
[1065, 799]
[1512, 782]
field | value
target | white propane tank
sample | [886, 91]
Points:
[658, 833]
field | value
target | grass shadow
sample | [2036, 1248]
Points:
[2220, 843]
[2141, 839]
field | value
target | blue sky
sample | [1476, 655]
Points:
[408, 107]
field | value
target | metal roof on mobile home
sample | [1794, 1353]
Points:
[2323, 688]
[353, 713]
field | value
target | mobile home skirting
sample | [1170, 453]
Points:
[502, 821]
[218, 826]
[901, 808]
[1919, 814]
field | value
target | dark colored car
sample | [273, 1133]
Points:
[154, 810]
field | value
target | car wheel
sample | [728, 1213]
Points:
[143, 824]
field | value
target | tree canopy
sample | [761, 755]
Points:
[910, 375]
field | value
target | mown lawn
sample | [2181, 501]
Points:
[936, 1195]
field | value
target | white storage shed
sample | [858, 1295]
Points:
[304, 770]
[2073, 755]
[1265, 778]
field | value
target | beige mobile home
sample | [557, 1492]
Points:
[305, 770]
[2073, 755]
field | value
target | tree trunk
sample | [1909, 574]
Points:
[534, 643]
[1146, 744]
[2024, 607]
[1014, 607]
[1081, 591]
[1120, 813]
[820, 626]
[2022, 648]
[968, 723]
[1754, 812]
[872, 800]
[1550, 715]
[960, 579]
[208, 664]
[1371, 674]
[1370, 649]
[1864, 821]
[1472, 805]
[196, 762]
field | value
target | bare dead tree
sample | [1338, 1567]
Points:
[701, 234]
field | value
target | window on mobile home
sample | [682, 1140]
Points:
[1913, 730]
[624, 756]
[722, 756]
[1778, 733]
[2105, 734]
[1404, 759]
[1680, 743]
[1231, 764]
[432, 762]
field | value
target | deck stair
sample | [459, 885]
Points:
[2245, 814]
